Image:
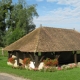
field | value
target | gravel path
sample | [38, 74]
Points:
[5, 76]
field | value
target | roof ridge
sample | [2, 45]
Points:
[58, 28]
[37, 40]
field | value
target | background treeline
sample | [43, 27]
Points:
[16, 20]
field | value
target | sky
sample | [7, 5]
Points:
[57, 13]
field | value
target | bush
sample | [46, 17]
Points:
[12, 60]
[48, 69]
[26, 61]
[50, 62]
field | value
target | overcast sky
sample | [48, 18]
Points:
[57, 13]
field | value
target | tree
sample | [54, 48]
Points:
[20, 21]
[4, 5]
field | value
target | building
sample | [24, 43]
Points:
[46, 41]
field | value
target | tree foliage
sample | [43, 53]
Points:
[4, 5]
[16, 20]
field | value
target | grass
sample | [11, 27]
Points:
[37, 75]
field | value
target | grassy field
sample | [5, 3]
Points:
[72, 74]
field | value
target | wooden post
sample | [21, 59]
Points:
[36, 60]
[75, 57]
[2, 52]
[9, 54]
[17, 54]
[24, 55]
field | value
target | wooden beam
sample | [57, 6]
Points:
[75, 57]
[17, 54]
[42, 56]
[36, 60]
[31, 57]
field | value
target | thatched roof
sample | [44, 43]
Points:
[46, 39]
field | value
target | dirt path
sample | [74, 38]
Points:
[5, 76]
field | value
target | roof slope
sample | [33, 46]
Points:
[46, 39]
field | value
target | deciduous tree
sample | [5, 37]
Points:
[20, 21]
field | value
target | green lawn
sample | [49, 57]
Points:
[72, 74]
[37, 75]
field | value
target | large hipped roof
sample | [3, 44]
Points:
[46, 39]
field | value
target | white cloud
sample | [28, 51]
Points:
[67, 16]
[66, 2]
